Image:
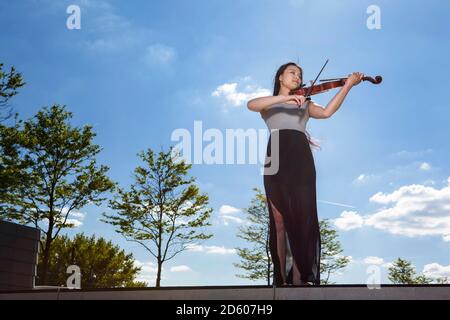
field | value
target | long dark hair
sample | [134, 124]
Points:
[276, 90]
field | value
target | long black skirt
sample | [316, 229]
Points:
[290, 184]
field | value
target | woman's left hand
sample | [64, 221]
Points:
[354, 79]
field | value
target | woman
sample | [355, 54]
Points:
[291, 188]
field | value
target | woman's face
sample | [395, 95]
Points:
[291, 77]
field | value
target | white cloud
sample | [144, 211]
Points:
[435, 270]
[181, 221]
[219, 250]
[363, 179]
[373, 260]
[195, 248]
[405, 193]
[349, 220]
[149, 267]
[75, 217]
[148, 272]
[79, 215]
[182, 268]
[75, 222]
[159, 54]
[227, 214]
[211, 249]
[226, 219]
[425, 166]
[238, 98]
[227, 210]
[413, 210]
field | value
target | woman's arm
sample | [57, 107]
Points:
[318, 112]
[262, 103]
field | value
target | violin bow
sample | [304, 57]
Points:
[308, 93]
[322, 80]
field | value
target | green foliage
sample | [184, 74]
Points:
[256, 260]
[403, 272]
[11, 165]
[102, 264]
[331, 259]
[9, 83]
[56, 172]
[163, 211]
[12, 168]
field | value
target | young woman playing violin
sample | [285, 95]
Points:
[291, 191]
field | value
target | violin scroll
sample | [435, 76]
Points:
[377, 79]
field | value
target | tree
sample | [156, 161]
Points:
[256, 260]
[12, 167]
[61, 176]
[102, 264]
[442, 280]
[163, 209]
[331, 259]
[403, 272]
[9, 83]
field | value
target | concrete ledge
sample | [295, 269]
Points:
[331, 292]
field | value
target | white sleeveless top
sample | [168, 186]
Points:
[286, 116]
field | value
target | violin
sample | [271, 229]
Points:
[328, 85]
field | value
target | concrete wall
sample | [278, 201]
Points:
[332, 292]
[18, 256]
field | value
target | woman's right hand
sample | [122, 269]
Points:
[299, 99]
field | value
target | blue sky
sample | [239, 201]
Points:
[139, 72]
